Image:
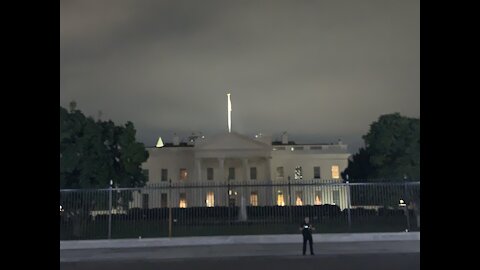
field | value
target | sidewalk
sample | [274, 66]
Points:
[247, 251]
[232, 240]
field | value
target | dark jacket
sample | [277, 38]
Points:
[306, 229]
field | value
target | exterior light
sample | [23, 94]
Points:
[159, 142]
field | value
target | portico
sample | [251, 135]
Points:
[232, 157]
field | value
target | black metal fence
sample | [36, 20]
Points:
[185, 209]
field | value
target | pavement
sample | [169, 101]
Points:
[238, 239]
[341, 251]
[386, 261]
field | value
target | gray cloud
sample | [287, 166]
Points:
[318, 69]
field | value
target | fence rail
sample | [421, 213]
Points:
[185, 209]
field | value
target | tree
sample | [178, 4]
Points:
[359, 167]
[91, 154]
[94, 152]
[392, 150]
[391, 153]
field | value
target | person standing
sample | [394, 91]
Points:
[306, 228]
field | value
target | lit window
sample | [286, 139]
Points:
[254, 198]
[335, 172]
[209, 173]
[280, 199]
[280, 172]
[298, 198]
[298, 173]
[210, 199]
[183, 200]
[316, 172]
[253, 173]
[183, 174]
[318, 198]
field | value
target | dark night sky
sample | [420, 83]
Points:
[321, 70]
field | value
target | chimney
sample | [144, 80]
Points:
[284, 138]
[176, 139]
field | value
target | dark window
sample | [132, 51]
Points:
[145, 201]
[164, 174]
[209, 173]
[231, 173]
[316, 172]
[163, 200]
[145, 172]
[253, 173]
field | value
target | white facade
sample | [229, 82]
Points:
[232, 158]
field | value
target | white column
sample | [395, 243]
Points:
[269, 169]
[246, 168]
[271, 194]
[198, 164]
[221, 162]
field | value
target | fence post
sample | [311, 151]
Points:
[289, 200]
[349, 205]
[169, 203]
[407, 201]
[110, 210]
[228, 201]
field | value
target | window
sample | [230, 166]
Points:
[253, 173]
[299, 198]
[280, 199]
[183, 200]
[298, 173]
[231, 173]
[209, 173]
[183, 174]
[254, 198]
[145, 201]
[279, 172]
[163, 200]
[145, 172]
[164, 174]
[336, 197]
[316, 172]
[315, 148]
[335, 172]
[210, 199]
[318, 198]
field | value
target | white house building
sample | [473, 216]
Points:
[232, 168]
[257, 169]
